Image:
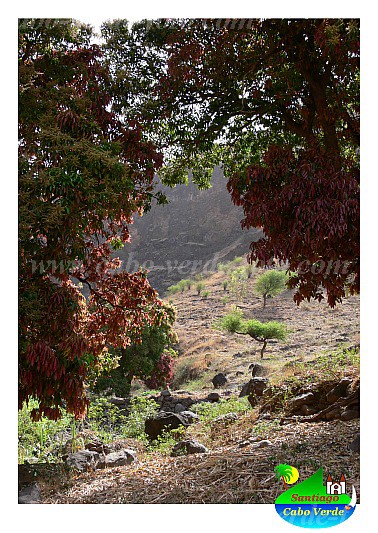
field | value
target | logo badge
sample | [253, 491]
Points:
[312, 504]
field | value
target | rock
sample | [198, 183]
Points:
[186, 447]
[83, 460]
[303, 399]
[30, 494]
[213, 397]
[179, 408]
[355, 445]
[120, 458]
[335, 413]
[306, 410]
[261, 444]
[239, 373]
[166, 393]
[190, 416]
[350, 414]
[219, 380]
[164, 421]
[119, 402]
[339, 391]
[255, 386]
[257, 370]
[97, 446]
[227, 418]
[238, 354]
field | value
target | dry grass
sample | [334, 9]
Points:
[226, 475]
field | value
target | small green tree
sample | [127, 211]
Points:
[205, 294]
[225, 285]
[238, 284]
[199, 287]
[270, 284]
[258, 331]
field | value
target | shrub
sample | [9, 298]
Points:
[225, 285]
[238, 284]
[199, 287]
[141, 408]
[189, 369]
[209, 411]
[205, 294]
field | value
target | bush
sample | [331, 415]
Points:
[189, 369]
[270, 284]
[199, 287]
[225, 285]
[141, 408]
[238, 284]
[209, 411]
[205, 294]
[37, 441]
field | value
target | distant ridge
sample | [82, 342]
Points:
[195, 231]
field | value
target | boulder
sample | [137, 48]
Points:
[186, 447]
[120, 458]
[213, 397]
[340, 391]
[257, 370]
[179, 408]
[255, 386]
[354, 446]
[304, 399]
[166, 393]
[164, 421]
[190, 417]
[30, 494]
[219, 380]
[83, 460]
[349, 414]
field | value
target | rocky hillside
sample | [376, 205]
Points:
[229, 417]
[197, 229]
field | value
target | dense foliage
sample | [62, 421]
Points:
[277, 103]
[83, 172]
[149, 359]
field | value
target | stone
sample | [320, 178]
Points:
[213, 397]
[340, 391]
[179, 408]
[255, 386]
[354, 446]
[261, 444]
[83, 460]
[306, 410]
[219, 380]
[166, 393]
[187, 447]
[227, 418]
[335, 413]
[303, 399]
[30, 494]
[257, 370]
[120, 458]
[163, 421]
[119, 402]
[97, 446]
[190, 417]
[350, 414]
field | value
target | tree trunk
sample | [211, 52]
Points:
[263, 349]
[264, 296]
